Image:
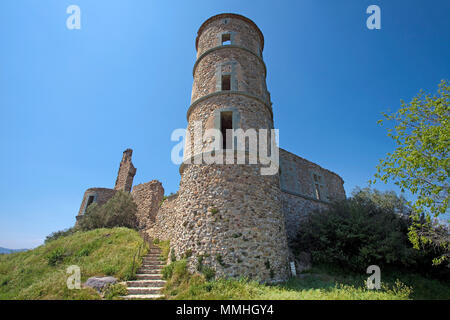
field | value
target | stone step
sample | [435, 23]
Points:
[149, 276]
[153, 262]
[146, 283]
[144, 290]
[143, 296]
[149, 270]
[152, 266]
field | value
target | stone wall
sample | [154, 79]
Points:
[101, 196]
[166, 219]
[249, 113]
[126, 173]
[239, 231]
[147, 197]
[245, 33]
[303, 193]
[249, 72]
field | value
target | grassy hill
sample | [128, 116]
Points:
[41, 273]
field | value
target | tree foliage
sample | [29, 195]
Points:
[420, 163]
[58, 234]
[371, 227]
[119, 211]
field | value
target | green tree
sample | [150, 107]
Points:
[119, 211]
[368, 228]
[420, 163]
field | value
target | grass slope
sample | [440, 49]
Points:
[320, 284]
[41, 273]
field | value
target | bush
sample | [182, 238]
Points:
[58, 234]
[55, 257]
[119, 211]
[114, 291]
[369, 228]
[175, 270]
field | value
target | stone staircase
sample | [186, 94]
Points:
[148, 283]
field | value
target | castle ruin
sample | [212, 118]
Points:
[230, 216]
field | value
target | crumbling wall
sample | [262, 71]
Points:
[101, 196]
[148, 197]
[166, 219]
[126, 173]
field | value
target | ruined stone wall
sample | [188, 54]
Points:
[101, 196]
[147, 197]
[169, 214]
[126, 173]
[299, 189]
[238, 231]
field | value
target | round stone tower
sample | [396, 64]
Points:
[230, 217]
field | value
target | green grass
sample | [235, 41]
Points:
[41, 273]
[165, 248]
[320, 284]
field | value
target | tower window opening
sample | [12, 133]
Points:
[226, 126]
[317, 191]
[319, 188]
[90, 200]
[226, 82]
[226, 39]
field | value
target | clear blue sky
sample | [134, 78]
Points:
[72, 100]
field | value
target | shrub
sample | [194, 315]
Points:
[56, 256]
[58, 234]
[369, 228]
[165, 249]
[115, 290]
[208, 272]
[110, 270]
[174, 270]
[119, 211]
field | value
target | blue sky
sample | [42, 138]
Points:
[72, 100]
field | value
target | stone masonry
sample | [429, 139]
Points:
[126, 172]
[148, 197]
[229, 216]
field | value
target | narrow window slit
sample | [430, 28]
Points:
[226, 126]
[226, 82]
